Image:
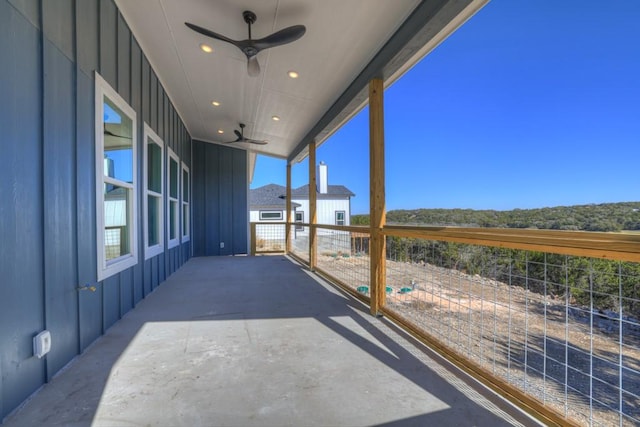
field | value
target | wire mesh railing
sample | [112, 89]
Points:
[268, 237]
[343, 255]
[562, 329]
[300, 241]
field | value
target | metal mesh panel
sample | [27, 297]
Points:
[270, 237]
[300, 242]
[563, 329]
[343, 255]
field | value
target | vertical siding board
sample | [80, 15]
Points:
[212, 200]
[162, 272]
[124, 59]
[60, 206]
[111, 301]
[197, 196]
[126, 291]
[21, 228]
[146, 91]
[153, 101]
[87, 43]
[225, 167]
[90, 303]
[136, 104]
[58, 26]
[154, 273]
[108, 42]
[240, 208]
[30, 9]
[146, 286]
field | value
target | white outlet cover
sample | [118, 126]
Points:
[42, 344]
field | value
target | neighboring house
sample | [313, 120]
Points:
[267, 203]
[333, 206]
[333, 202]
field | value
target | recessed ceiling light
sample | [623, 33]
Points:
[220, 131]
[293, 74]
[275, 118]
[215, 103]
[206, 48]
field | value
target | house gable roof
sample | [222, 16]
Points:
[333, 191]
[270, 196]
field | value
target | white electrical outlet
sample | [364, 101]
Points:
[42, 344]
[221, 245]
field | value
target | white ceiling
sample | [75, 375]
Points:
[342, 37]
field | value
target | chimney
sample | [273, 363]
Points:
[322, 178]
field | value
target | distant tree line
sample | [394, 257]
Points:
[594, 217]
[609, 285]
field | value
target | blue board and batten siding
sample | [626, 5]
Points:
[220, 213]
[49, 51]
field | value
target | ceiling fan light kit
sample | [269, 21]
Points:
[251, 47]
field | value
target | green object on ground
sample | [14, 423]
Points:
[363, 289]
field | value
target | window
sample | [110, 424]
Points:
[299, 219]
[339, 217]
[185, 203]
[116, 196]
[153, 178]
[270, 215]
[173, 185]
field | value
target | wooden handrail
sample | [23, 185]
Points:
[614, 246]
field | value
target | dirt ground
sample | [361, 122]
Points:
[584, 364]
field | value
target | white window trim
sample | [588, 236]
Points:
[172, 243]
[186, 234]
[151, 251]
[270, 219]
[295, 220]
[116, 265]
[344, 218]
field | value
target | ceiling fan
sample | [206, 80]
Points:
[251, 47]
[242, 138]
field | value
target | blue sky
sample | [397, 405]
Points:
[531, 103]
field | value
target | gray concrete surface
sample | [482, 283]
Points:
[257, 341]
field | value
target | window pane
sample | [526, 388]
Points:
[116, 221]
[118, 143]
[153, 218]
[154, 166]
[173, 176]
[185, 185]
[271, 215]
[173, 220]
[185, 220]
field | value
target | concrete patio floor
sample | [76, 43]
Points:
[258, 341]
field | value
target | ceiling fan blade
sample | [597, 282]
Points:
[281, 37]
[253, 68]
[254, 141]
[238, 134]
[211, 34]
[108, 132]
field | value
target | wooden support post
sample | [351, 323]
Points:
[377, 213]
[312, 206]
[288, 207]
[253, 239]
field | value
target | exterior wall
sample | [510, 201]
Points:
[220, 207]
[325, 210]
[51, 49]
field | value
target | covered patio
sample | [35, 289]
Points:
[259, 341]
